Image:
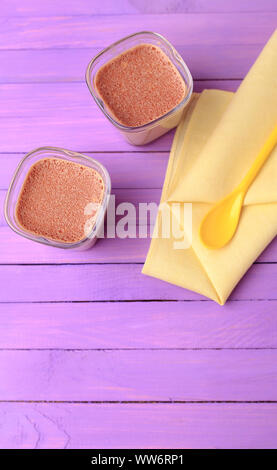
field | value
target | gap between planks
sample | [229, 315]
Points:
[127, 301]
[134, 13]
[137, 349]
[99, 263]
[97, 151]
[141, 402]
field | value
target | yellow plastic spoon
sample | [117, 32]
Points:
[220, 223]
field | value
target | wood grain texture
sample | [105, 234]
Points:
[139, 325]
[69, 65]
[93, 7]
[139, 375]
[139, 426]
[62, 100]
[127, 170]
[116, 282]
[18, 250]
[133, 196]
[65, 115]
[118, 346]
[101, 31]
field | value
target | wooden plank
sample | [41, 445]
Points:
[110, 282]
[92, 31]
[127, 170]
[67, 65]
[133, 196]
[151, 325]
[116, 250]
[139, 375]
[65, 115]
[137, 426]
[85, 7]
[64, 100]
[54, 8]
[17, 250]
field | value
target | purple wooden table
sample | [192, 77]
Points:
[92, 353]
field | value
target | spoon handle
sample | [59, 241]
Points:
[259, 160]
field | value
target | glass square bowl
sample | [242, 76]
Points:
[19, 178]
[142, 134]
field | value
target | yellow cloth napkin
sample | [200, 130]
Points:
[214, 146]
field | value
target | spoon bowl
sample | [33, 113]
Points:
[220, 223]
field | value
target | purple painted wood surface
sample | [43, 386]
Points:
[130, 182]
[116, 251]
[101, 31]
[64, 65]
[116, 282]
[78, 124]
[127, 170]
[83, 7]
[214, 425]
[139, 375]
[88, 326]
[139, 325]
[133, 196]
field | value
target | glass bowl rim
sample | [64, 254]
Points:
[169, 113]
[46, 241]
